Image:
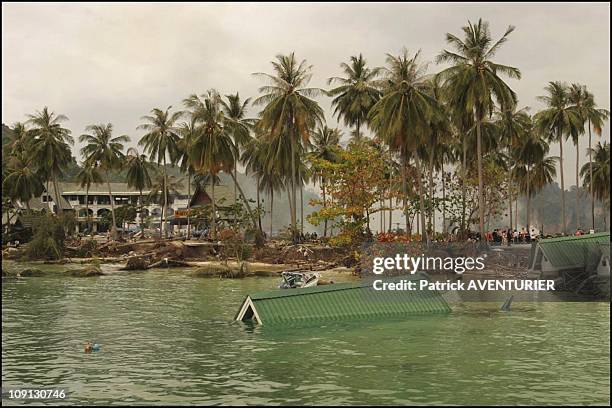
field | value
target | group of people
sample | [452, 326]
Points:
[510, 236]
[507, 236]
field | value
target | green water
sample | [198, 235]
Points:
[168, 338]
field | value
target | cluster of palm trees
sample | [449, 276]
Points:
[427, 123]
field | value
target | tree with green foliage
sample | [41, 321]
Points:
[88, 175]
[288, 117]
[105, 151]
[356, 92]
[161, 144]
[50, 147]
[473, 84]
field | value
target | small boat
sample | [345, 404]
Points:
[293, 280]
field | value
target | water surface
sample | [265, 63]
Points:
[168, 338]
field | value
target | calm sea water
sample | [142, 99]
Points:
[168, 338]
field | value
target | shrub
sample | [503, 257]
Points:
[48, 240]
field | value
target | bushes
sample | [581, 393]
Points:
[48, 240]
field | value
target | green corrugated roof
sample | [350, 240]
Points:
[573, 251]
[343, 301]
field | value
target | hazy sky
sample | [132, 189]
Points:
[113, 63]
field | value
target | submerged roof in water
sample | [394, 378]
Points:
[340, 301]
[573, 251]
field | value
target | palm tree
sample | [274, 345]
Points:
[162, 187]
[288, 116]
[213, 150]
[106, 151]
[253, 157]
[51, 146]
[577, 96]
[20, 139]
[590, 114]
[87, 176]
[189, 131]
[21, 182]
[138, 175]
[540, 174]
[556, 121]
[161, 143]
[473, 83]
[356, 93]
[325, 146]
[235, 109]
[512, 124]
[402, 117]
[596, 175]
[529, 150]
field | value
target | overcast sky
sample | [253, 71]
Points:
[113, 63]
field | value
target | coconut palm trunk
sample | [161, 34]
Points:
[213, 228]
[188, 204]
[528, 199]
[510, 196]
[404, 193]
[163, 230]
[236, 195]
[563, 224]
[246, 202]
[577, 184]
[141, 201]
[112, 202]
[481, 201]
[293, 193]
[258, 203]
[591, 181]
[57, 194]
[390, 203]
[87, 217]
[425, 235]
[443, 202]
[271, 210]
[432, 211]
[324, 206]
[463, 189]
[301, 208]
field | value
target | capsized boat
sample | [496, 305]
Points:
[293, 280]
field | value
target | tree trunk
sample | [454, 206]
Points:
[57, 195]
[463, 189]
[577, 184]
[189, 204]
[528, 199]
[324, 206]
[163, 230]
[141, 212]
[271, 209]
[358, 134]
[236, 196]
[246, 202]
[301, 208]
[213, 228]
[87, 217]
[443, 202]
[481, 202]
[417, 161]
[563, 224]
[390, 202]
[112, 201]
[293, 193]
[591, 181]
[258, 203]
[404, 190]
[432, 211]
[510, 196]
